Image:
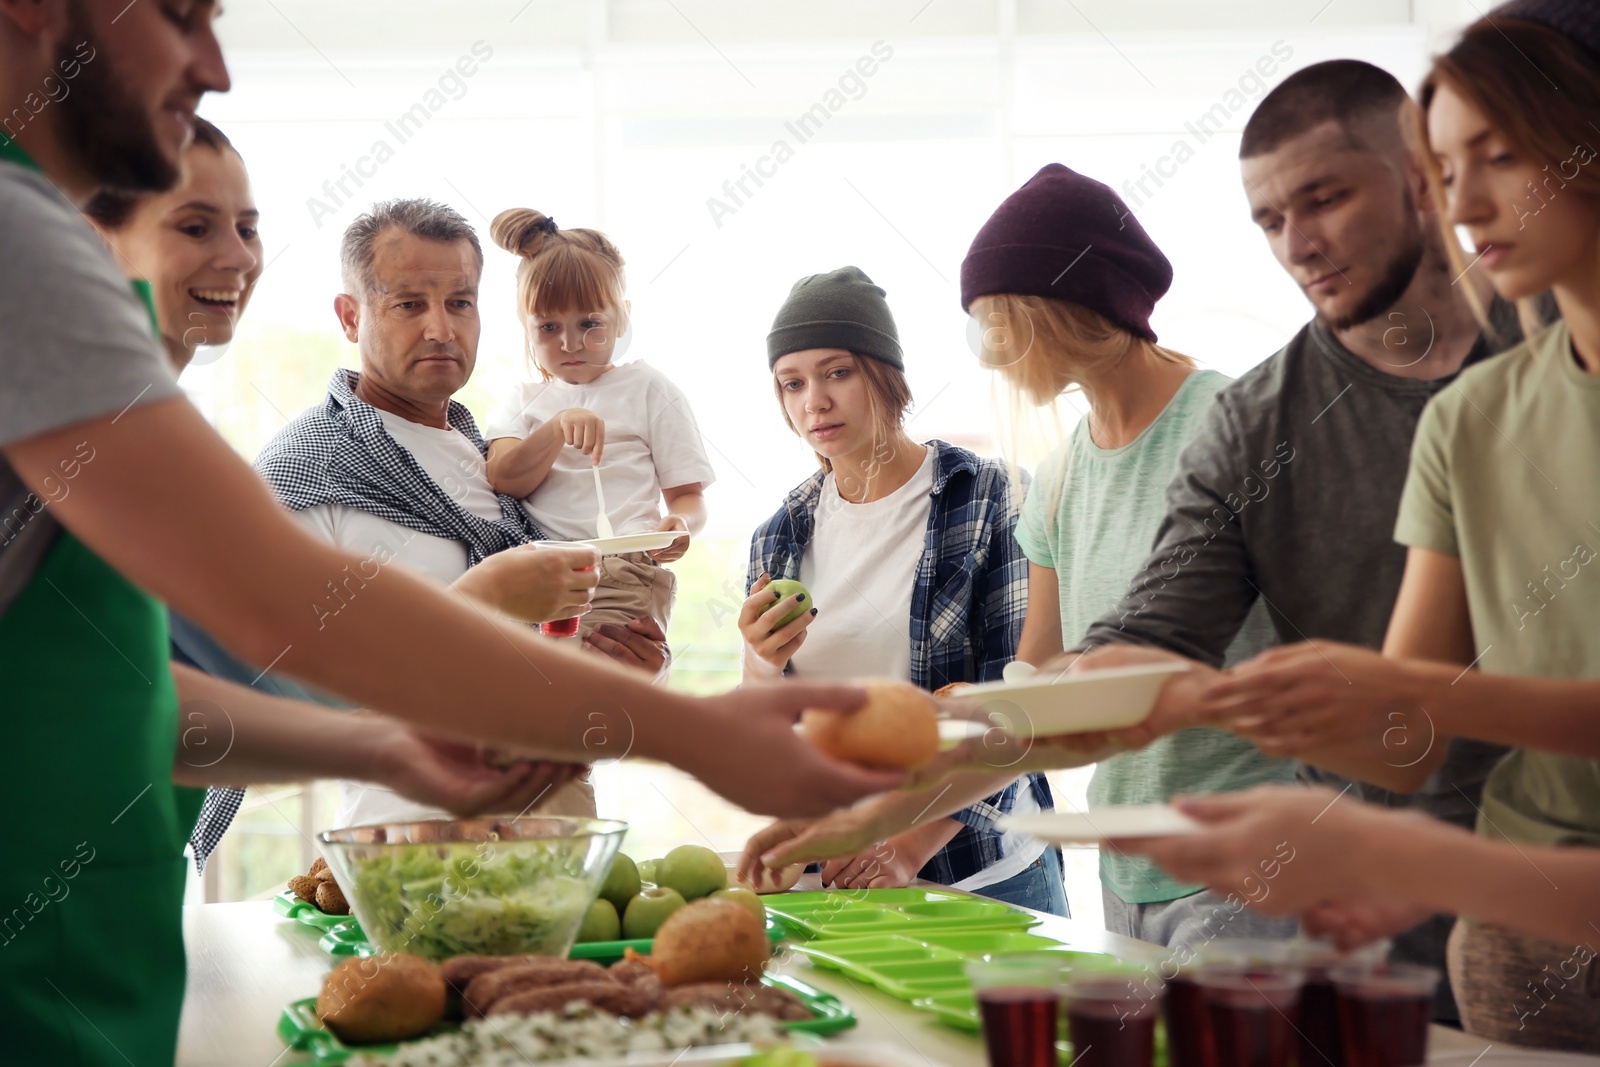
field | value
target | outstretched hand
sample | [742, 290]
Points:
[455, 775]
[752, 755]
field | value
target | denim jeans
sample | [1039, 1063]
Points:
[1040, 886]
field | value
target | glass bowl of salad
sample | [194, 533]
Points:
[493, 887]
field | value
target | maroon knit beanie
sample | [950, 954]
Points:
[1577, 19]
[1071, 238]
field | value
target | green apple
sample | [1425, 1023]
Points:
[745, 899]
[693, 870]
[647, 911]
[601, 923]
[787, 587]
[647, 871]
[622, 882]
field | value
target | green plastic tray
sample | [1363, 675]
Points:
[348, 939]
[302, 1031]
[958, 1009]
[908, 912]
[930, 968]
[291, 906]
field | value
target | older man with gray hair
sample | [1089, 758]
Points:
[390, 467]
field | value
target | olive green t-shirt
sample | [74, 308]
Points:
[1091, 515]
[1505, 476]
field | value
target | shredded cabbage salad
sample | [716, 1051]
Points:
[439, 901]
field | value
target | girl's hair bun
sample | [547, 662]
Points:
[521, 230]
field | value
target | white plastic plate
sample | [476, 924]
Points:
[1087, 827]
[1072, 703]
[639, 542]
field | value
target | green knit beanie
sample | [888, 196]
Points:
[839, 309]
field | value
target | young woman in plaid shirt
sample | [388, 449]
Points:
[909, 548]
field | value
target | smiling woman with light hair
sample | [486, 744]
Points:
[196, 245]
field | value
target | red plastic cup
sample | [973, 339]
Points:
[1384, 1013]
[1253, 1015]
[1112, 1020]
[560, 627]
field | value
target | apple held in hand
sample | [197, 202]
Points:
[788, 587]
[896, 729]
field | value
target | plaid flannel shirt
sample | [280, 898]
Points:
[339, 452]
[967, 607]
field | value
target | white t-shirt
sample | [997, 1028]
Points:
[455, 464]
[860, 568]
[652, 443]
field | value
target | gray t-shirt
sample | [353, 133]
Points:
[1288, 493]
[75, 345]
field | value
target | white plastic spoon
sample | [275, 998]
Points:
[602, 524]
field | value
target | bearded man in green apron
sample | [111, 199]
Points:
[95, 433]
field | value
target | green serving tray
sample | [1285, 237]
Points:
[348, 939]
[907, 912]
[930, 968]
[958, 1009]
[302, 1031]
[291, 906]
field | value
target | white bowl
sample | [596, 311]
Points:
[1071, 703]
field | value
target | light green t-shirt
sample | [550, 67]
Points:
[1505, 476]
[1091, 515]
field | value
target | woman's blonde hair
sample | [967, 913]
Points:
[1042, 349]
[888, 400]
[1538, 89]
[561, 270]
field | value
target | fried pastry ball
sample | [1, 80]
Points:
[305, 887]
[710, 940]
[330, 898]
[387, 997]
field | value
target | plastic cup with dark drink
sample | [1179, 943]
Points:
[1111, 1018]
[1384, 1013]
[1188, 1016]
[1019, 1002]
[1321, 1040]
[1188, 1024]
[1253, 1014]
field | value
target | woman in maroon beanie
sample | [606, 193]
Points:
[1061, 282]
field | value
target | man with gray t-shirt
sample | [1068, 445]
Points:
[1289, 492]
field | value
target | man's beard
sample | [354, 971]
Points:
[111, 136]
[1393, 283]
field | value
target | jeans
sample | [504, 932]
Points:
[1040, 886]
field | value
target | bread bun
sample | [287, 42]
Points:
[896, 729]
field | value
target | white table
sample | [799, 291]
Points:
[246, 963]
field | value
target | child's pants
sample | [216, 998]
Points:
[631, 585]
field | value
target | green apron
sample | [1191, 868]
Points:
[91, 892]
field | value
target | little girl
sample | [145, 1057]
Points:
[547, 441]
